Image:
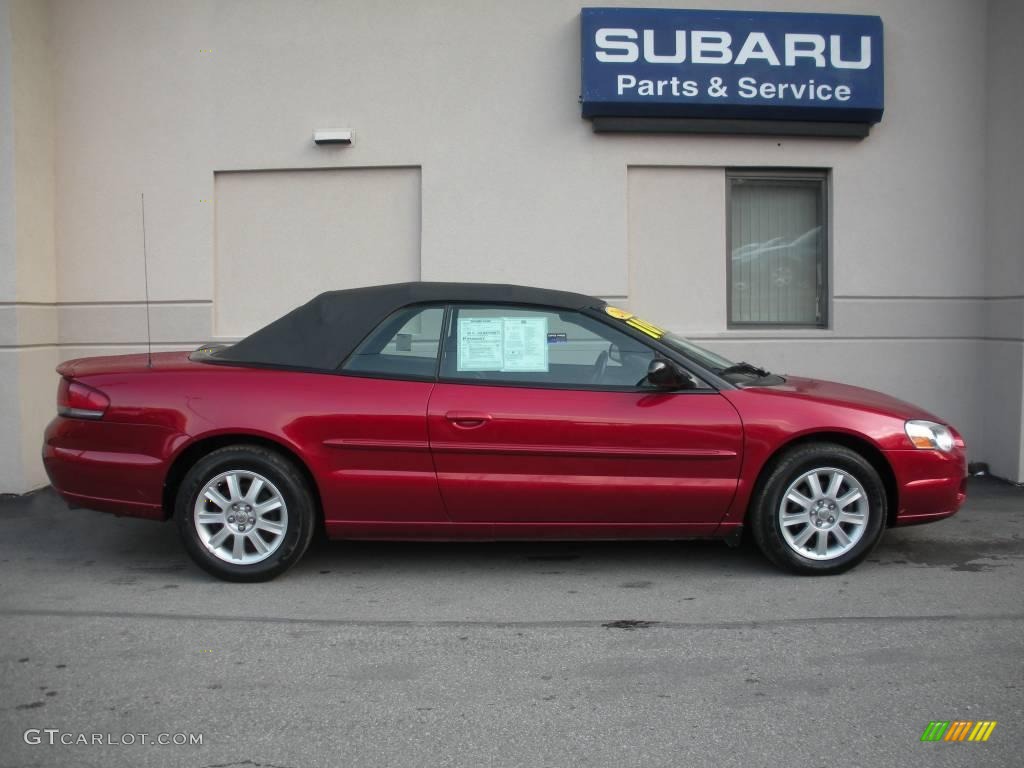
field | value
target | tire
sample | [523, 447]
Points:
[843, 523]
[245, 513]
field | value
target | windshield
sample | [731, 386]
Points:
[742, 372]
[722, 366]
[703, 357]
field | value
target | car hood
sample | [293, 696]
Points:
[834, 393]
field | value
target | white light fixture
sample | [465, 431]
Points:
[332, 136]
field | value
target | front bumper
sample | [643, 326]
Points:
[930, 485]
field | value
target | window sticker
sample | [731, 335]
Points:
[526, 347]
[511, 344]
[635, 322]
[480, 344]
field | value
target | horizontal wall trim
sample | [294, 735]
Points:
[80, 345]
[692, 337]
[140, 303]
[616, 297]
[331, 167]
[824, 337]
[173, 302]
[928, 298]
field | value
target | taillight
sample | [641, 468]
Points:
[78, 401]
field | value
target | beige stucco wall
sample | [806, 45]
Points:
[28, 329]
[168, 99]
[10, 408]
[353, 211]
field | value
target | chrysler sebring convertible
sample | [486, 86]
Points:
[467, 411]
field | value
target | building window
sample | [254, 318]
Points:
[778, 248]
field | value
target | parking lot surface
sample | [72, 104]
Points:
[510, 654]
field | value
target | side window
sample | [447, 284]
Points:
[539, 346]
[404, 345]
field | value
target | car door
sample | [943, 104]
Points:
[371, 430]
[539, 416]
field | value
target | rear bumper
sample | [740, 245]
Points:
[126, 477]
[931, 485]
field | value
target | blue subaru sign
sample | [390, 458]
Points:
[734, 65]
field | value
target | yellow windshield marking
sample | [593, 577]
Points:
[635, 322]
[642, 325]
[618, 314]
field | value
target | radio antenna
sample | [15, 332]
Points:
[145, 272]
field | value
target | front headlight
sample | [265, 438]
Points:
[929, 435]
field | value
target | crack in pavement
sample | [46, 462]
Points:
[484, 624]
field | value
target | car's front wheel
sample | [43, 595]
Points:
[821, 510]
[245, 513]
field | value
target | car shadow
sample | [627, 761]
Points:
[41, 527]
[511, 557]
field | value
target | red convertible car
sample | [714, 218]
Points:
[477, 411]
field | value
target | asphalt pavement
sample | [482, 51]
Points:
[509, 654]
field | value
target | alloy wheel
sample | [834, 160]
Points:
[823, 513]
[241, 517]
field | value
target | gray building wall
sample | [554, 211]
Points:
[1001, 383]
[471, 162]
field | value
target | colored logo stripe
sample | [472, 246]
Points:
[982, 730]
[958, 730]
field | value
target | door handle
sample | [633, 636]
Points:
[467, 419]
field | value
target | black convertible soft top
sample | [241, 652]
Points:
[321, 333]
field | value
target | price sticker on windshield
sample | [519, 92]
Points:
[635, 322]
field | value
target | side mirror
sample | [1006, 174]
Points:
[664, 375]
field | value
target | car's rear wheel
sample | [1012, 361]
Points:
[245, 513]
[821, 510]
